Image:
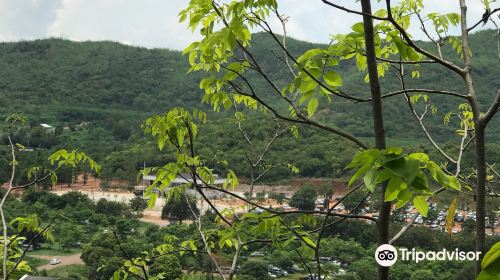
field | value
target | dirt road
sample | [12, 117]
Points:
[65, 260]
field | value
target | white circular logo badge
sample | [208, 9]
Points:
[386, 255]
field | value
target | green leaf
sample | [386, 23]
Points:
[403, 198]
[420, 182]
[421, 205]
[308, 54]
[383, 175]
[307, 86]
[455, 183]
[358, 173]
[394, 150]
[370, 178]
[393, 188]
[422, 157]
[397, 166]
[309, 241]
[358, 27]
[412, 167]
[442, 178]
[333, 79]
[405, 168]
[491, 272]
[312, 106]
[492, 255]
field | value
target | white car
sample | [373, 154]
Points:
[55, 261]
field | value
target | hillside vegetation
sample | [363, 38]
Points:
[115, 87]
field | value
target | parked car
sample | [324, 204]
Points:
[257, 254]
[294, 269]
[276, 271]
[55, 261]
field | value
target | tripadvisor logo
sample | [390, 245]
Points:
[387, 255]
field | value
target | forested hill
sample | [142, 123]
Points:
[57, 77]
[115, 86]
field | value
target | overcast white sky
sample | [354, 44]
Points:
[154, 23]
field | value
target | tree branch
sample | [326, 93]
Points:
[492, 110]
[329, 3]
[481, 20]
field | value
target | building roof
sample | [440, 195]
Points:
[184, 178]
[46, 125]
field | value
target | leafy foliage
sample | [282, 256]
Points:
[304, 198]
[180, 209]
[406, 175]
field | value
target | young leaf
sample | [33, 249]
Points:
[393, 188]
[358, 173]
[421, 205]
[370, 179]
[403, 198]
[450, 215]
[312, 106]
[333, 79]
[492, 255]
[358, 27]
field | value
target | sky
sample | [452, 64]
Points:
[154, 23]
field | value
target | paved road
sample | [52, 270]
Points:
[65, 260]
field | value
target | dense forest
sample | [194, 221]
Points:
[97, 94]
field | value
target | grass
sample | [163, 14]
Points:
[35, 262]
[72, 271]
[143, 226]
[54, 251]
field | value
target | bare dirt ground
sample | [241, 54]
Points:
[65, 260]
[155, 220]
[153, 215]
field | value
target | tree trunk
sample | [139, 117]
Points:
[480, 126]
[480, 192]
[378, 125]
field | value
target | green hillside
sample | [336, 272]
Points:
[115, 87]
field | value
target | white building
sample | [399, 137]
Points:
[186, 178]
[48, 128]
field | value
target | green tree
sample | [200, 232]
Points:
[180, 209]
[469, 226]
[347, 251]
[348, 276]
[326, 190]
[68, 235]
[279, 197]
[102, 251]
[254, 270]
[355, 200]
[422, 275]
[75, 197]
[304, 198]
[111, 208]
[168, 265]
[261, 196]
[364, 268]
[138, 205]
[283, 259]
